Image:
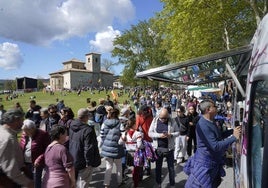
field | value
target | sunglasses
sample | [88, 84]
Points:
[164, 118]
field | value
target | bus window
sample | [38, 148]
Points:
[259, 119]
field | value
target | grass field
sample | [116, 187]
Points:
[70, 99]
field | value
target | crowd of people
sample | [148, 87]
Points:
[58, 150]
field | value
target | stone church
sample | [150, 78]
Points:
[77, 74]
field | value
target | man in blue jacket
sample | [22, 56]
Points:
[205, 168]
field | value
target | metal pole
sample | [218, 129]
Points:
[228, 67]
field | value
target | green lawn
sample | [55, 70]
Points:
[70, 99]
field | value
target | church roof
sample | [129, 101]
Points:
[73, 60]
[77, 70]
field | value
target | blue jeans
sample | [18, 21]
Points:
[170, 163]
[124, 163]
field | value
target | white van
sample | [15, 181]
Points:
[251, 153]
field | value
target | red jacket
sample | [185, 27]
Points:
[40, 141]
[144, 123]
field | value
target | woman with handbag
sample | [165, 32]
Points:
[143, 122]
[133, 141]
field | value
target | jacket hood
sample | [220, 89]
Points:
[111, 122]
[77, 125]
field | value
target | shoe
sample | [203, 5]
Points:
[179, 160]
[127, 171]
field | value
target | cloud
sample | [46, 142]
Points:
[104, 40]
[10, 56]
[42, 22]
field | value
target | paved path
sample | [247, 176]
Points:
[149, 182]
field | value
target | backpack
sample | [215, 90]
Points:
[142, 156]
[149, 151]
[139, 158]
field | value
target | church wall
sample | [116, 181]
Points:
[56, 83]
[66, 80]
[107, 80]
[80, 79]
